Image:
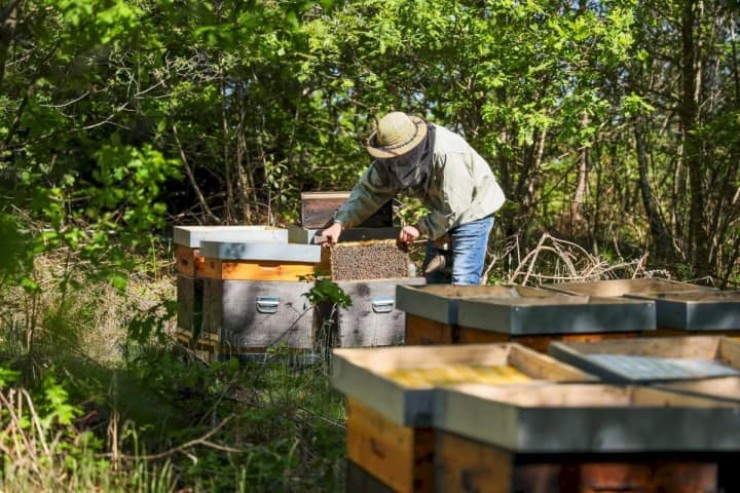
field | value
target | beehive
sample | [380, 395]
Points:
[575, 437]
[531, 316]
[389, 428]
[680, 308]
[254, 295]
[432, 310]
[191, 269]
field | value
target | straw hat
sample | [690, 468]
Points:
[396, 134]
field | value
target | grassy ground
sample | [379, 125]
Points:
[87, 407]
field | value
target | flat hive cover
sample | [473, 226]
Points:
[192, 236]
[652, 368]
[588, 418]
[560, 314]
[653, 359]
[697, 310]
[625, 287]
[440, 302]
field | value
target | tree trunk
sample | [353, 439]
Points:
[661, 237]
[698, 247]
[579, 197]
[9, 15]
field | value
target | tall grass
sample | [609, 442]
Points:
[86, 408]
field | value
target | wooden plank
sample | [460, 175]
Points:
[257, 271]
[464, 465]
[699, 347]
[398, 456]
[623, 287]
[422, 331]
[726, 388]
[540, 343]
[729, 352]
[188, 261]
[189, 303]
[543, 367]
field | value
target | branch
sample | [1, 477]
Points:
[201, 198]
[181, 448]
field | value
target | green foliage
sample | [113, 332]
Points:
[151, 323]
[327, 291]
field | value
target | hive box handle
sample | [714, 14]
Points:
[268, 304]
[383, 305]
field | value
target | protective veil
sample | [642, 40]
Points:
[412, 170]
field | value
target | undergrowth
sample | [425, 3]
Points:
[96, 396]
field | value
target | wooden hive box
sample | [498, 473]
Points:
[696, 312]
[190, 266]
[536, 321]
[531, 316]
[251, 316]
[391, 402]
[581, 438]
[253, 295]
[318, 210]
[681, 308]
[187, 241]
[259, 261]
[373, 319]
[653, 359]
[432, 310]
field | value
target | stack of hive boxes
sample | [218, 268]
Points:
[609, 409]
[367, 264]
[503, 418]
[242, 289]
[680, 308]
[190, 265]
[244, 292]
[534, 317]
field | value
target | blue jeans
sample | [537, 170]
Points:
[467, 254]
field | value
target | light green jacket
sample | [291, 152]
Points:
[462, 189]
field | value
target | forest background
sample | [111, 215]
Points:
[612, 127]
